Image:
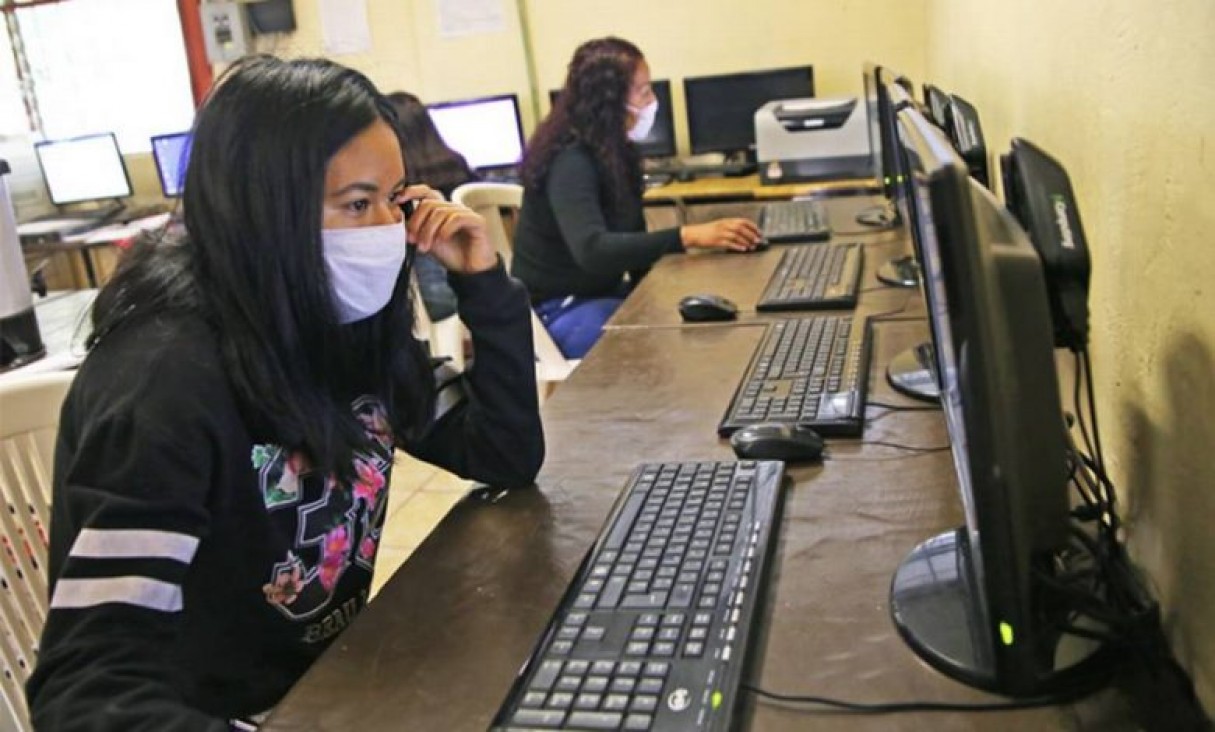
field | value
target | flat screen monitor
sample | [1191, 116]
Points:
[882, 135]
[972, 601]
[88, 168]
[660, 143]
[937, 103]
[966, 134]
[721, 109]
[486, 131]
[172, 155]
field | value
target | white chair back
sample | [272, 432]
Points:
[488, 200]
[29, 423]
[446, 337]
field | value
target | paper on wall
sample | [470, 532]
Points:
[344, 27]
[470, 17]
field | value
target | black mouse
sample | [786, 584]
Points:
[776, 441]
[706, 307]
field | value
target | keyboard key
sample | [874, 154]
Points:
[539, 718]
[638, 722]
[595, 720]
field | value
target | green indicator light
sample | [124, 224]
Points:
[1006, 634]
[716, 699]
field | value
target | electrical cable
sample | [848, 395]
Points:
[917, 706]
[886, 317]
[905, 407]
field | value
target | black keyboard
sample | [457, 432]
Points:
[811, 371]
[818, 277]
[696, 171]
[654, 629]
[794, 222]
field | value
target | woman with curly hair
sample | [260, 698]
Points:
[581, 228]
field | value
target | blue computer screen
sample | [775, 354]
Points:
[172, 153]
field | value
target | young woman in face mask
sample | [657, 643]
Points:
[224, 455]
[581, 228]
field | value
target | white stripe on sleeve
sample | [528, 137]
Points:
[140, 591]
[134, 544]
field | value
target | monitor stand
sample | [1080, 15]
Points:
[880, 216]
[940, 612]
[913, 373]
[900, 272]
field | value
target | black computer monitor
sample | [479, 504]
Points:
[878, 81]
[937, 102]
[82, 169]
[966, 134]
[487, 131]
[721, 109]
[880, 114]
[660, 143]
[172, 155]
[973, 601]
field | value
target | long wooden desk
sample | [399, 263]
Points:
[749, 186]
[441, 644]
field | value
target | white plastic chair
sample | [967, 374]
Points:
[488, 200]
[29, 423]
[446, 337]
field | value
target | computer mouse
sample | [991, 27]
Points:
[792, 443]
[706, 307]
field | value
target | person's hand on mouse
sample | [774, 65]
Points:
[738, 234]
[454, 234]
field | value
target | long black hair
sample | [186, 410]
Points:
[250, 262]
[592, 109]
[427, 156]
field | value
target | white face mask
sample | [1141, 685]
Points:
[363, 264]
[645, 121]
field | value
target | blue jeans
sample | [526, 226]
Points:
[576, 322]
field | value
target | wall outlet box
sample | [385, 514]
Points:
[225, 31]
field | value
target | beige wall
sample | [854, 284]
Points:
[1123, 94]
[694, 37]
[835, 36]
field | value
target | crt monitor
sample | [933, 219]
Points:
[486, 131]
[976, 602]
[721, 109]
[660, 143]
[80, 169]
[172, 155]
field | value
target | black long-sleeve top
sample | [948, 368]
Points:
[569, 242]
[198, 569]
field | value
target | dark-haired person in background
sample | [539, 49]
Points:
[224, 454]
[581, 228]
[429, 159]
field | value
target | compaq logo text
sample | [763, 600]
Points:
[1065, 229]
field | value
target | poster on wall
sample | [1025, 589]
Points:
[470, 17]
[344, 27]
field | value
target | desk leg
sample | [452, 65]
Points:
[89, 272]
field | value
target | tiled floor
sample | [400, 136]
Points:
[419, 498]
